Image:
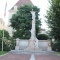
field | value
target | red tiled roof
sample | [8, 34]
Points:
[21, 2]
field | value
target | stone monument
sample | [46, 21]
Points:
[33, 42]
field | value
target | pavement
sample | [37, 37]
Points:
[47, 57]
[16, 57]
[32, 56]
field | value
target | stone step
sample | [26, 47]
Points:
[31, 52]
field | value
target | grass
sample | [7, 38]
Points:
[58, 53]
[2, 52]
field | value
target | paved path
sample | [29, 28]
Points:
[47, 57]
[16, 57]
[44, 56]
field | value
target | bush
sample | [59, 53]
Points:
[5, 46]
[6, 36]
[56, 46]
[13, 43]
[0, 44]
[42, 37]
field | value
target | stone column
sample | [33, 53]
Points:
[17, 44]
[33, 31]
[33, 26]
[33, 42]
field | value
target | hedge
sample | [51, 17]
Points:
[42, 37]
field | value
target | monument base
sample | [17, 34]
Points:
[16, 47]
[33, 45]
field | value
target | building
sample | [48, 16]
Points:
[21, 2]
[2, 25]
[14, 9]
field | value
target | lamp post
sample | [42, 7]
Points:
[3, 37]
[3, 25]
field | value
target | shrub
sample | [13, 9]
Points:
[6, 39]
[13, 43]
[0, 44]
[42, 37]
[5, 46]
[56, 46]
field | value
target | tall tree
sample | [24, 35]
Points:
[53, 18]
[22, 21]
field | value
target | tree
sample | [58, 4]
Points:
[6, 34]
[53, 19]
[22, 21]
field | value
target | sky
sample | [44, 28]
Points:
[42, 4]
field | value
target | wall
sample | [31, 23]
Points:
[43, 44]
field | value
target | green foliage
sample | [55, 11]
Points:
[6, 35]
[22, 21]
[0, 44]
[53, 18]
[6, 47]
[56, 46]
[13, 43]
[42, 37]
[22, 34]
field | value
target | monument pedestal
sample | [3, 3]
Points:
[33, 45]
[16, 47]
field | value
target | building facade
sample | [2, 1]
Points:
[2, 25]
